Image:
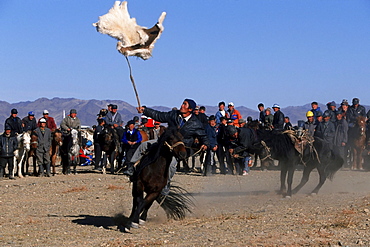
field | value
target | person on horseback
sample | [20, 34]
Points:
[114, 119]
[189, 126]
[70, 122]
[278, 122]
[355, 110]
[14, 123]
[29, 122]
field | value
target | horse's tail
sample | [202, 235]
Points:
[334, 163]
[176, 203]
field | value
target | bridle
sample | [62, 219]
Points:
[268, 150]
[171, 147]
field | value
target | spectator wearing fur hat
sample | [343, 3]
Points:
[233, 114]
[14, 123]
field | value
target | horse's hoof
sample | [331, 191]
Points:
[287, 197]
[313, 194]
[142, 222]
[134, 225]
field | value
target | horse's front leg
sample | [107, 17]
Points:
[290, 179]
[149, 202]
[354, 159]
[283, 173]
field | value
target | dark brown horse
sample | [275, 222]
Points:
[357, 141]
[151, 177]
[56, 142]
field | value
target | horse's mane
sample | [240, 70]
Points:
[155, 149]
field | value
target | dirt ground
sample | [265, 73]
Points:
[81, 210]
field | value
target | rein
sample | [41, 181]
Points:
[174, 145]
[268, 156]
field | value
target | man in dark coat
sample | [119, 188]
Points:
[341, 134]
[278, 122]
[211, 131]
[222, 151]
[326, 129]
[8, 144]
[14, 123]
[189, 126]
[29, 122]
[43, 148]
[131, 140]
[355, 110]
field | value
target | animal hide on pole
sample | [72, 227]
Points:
[133, 40]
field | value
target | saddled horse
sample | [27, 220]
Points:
[70, 150]
[316, 154]
[357, 142]
[24, 141]
[151, 177]
[56, 143]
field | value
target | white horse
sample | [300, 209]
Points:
[74, 151]
[24, 146]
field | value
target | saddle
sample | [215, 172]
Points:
[300, 141]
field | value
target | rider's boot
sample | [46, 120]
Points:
[130, 169]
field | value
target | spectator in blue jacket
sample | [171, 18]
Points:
[211, 131]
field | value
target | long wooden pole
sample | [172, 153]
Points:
[133, 82]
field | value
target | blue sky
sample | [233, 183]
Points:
[289, 52]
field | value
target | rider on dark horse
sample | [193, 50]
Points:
[69, 122]
[188, 124]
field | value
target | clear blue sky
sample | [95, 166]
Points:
[289, 52]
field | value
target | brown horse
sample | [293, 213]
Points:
[357, 140]
[56, 142]
[32, 154]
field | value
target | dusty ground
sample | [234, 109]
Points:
[79, 210]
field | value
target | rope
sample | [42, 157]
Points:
[133, 82]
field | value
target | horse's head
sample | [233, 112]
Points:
[34, 141]
[26, 139]
[58, 137]
[175, 144]
[74, 134]
[361, 123]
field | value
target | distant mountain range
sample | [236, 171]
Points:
[87, 110]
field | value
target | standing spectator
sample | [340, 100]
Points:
[97, 137]
[14, 123]
[70, 122]
[341, 135]
[29, 122]
[332, 111]
[326, 129]
[318, 118]
[8, 144]
[355, 111]
[287, 124]
[261, 108]
[222, 152]
[344, 109]
[233, 114]
[211, 132]
[268, 119]
[50, 122]
[131, 140]
[221, 112]
[43, 148]
[310, 125]
[278, 122]
[316, 109]
[201, 114]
